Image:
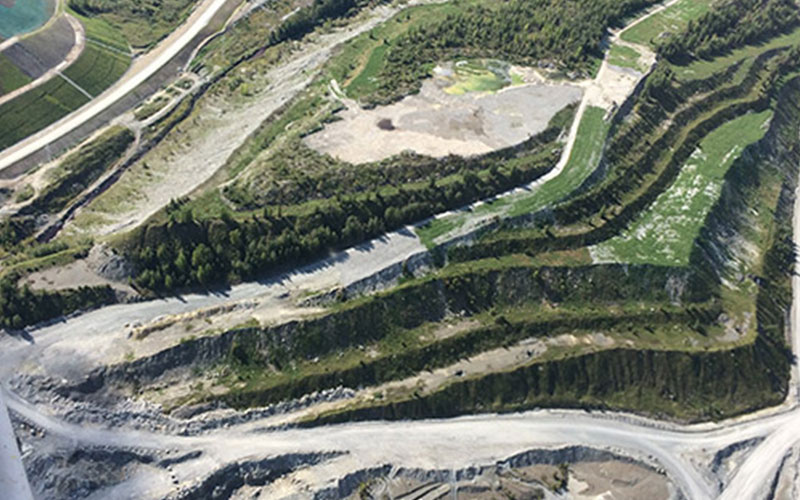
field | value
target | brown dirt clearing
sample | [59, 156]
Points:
[438, 124]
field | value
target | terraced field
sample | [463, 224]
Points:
[631, 253]
[11, 77]
[613, 259]
[103, 61]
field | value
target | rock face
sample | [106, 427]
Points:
[226, 481]
[72, 474]
[106, 410]
[108, 264]
[349, 484]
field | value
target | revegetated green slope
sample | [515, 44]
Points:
[79, 170]
[665, 232]
[673, 20]
[585, 156]
[142, 22]
[625, 57]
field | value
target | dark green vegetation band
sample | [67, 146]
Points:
[185, 252]
[387, 315]
[699, 386]
[519, 31]
[633, 159]
[687, 385]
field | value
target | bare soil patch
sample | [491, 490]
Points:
[615, 479]
[77, 273]
[438, 124]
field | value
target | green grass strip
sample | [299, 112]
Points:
[665, 233]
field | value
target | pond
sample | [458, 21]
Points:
[21, 16]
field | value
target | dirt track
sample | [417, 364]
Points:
[141, 69]
[200, 146]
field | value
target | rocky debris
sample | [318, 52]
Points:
[111, 411]
[721, 464]
[72, 474]
[169, 462]
[349, 484]
[227, 480]
[106, 263]
[161, 323]
[416, 265]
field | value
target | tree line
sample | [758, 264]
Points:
[566, 33]
[186, 252]
[22, 306]
[731, 25]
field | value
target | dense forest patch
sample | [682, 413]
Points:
[521, 32]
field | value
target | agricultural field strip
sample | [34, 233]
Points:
[143, 68]
[74, 53]
[11, 76]
[92, 72]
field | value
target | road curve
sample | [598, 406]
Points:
[431, 443]
[141, 70]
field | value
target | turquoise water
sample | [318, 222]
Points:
[24, 16]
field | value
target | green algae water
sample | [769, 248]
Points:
[21, 16]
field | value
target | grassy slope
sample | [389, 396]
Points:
[625, 57]
[703, 69]
[672, 19]
[583, 160]
[664, 234]
[11, 77]
[144, 25]
[99, 31]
